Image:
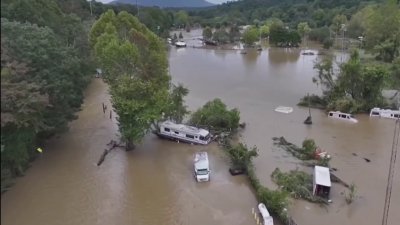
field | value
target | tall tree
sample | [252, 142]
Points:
[135, 62]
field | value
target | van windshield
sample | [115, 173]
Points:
[202, 172]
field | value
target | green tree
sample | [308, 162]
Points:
[215, 115]
[176, 110]
[207, 33]
[181, 18]
[136, 65]
[303, 29]
[241, 156]
[383, 31]
[338, 22]
[264, 31]
[250, 36]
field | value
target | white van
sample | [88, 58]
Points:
[342, 116]
[201, 167]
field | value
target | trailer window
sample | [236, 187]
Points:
[167, 129]
[189, 136]
[176, 132]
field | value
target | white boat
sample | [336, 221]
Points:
[180, 44]
[342, 116]
[266, 217]
[385, 113]
[185, 133]
[284, 109]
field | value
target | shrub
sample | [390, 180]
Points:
[216, 116]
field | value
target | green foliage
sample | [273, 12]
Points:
[216, 116]
[383, 30]
[282, 36]
[297, 183]
[395, 74]
[241, 156]
[207, 33]
[176, 110]
[138, 103]
[250, 36]
[352, 194]
[309, 147]
[316, 13]
[45, 65]
[303, 28]
[338, 23]
[264, 31]
[181, 19]
[356, 88]
[319, 34]
[276, 201]
[135, 63]
[221, 36]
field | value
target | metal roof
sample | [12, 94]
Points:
[322, 176]
[185, 128]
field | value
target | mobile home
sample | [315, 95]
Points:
[185, 133]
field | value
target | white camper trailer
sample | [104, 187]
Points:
[385, 113]
[184, 133]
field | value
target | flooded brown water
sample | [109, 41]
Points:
[154, 184]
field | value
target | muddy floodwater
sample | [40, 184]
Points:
[154, 184]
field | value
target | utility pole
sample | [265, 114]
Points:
[137, 7]
[90, 4]
[395, 147]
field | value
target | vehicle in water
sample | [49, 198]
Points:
[201, 167]
[185, 133]
[385, 113]
[321, 181]
[284, 109]
[180, 44]
[266, 217]
[342, 116]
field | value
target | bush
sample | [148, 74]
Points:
[346, 105]
[216, 116]
[298, 183]
[309, 147]
[276, 201]
[241, 156]
[314, 101]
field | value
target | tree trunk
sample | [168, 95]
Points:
[130, 145]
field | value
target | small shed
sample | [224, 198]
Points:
[322, 181]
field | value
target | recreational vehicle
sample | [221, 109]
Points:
[266, 217]
[385, 113]
[201, 167]
[185, 133]
[342, 116]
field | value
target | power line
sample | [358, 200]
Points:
[395, 147]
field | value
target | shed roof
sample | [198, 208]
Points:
[322, 176]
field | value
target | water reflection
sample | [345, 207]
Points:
[250, 59]
[281, 56]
